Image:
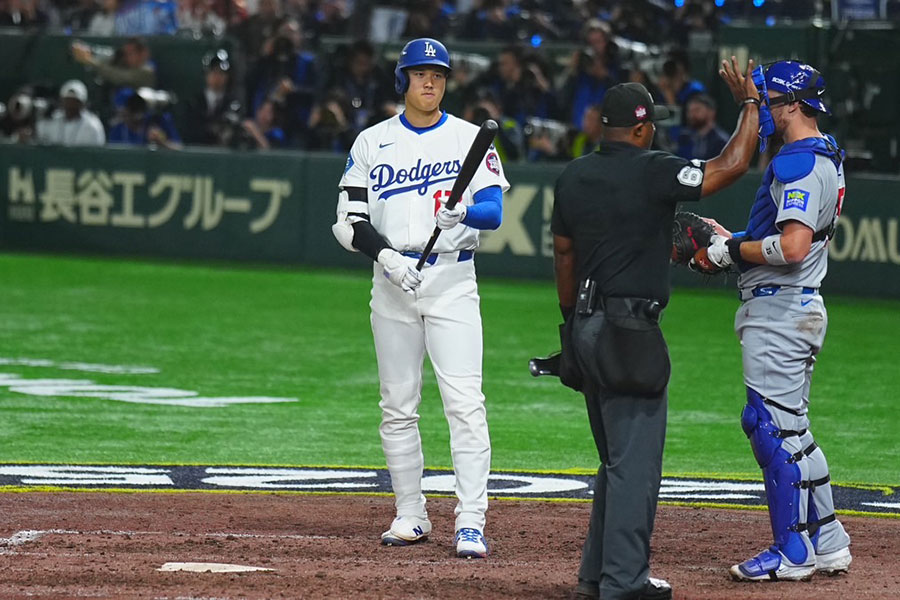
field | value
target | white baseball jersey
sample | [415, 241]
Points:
[409, 173]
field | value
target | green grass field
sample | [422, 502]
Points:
[226, 330]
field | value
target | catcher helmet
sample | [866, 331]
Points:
[422, 51]
[798, 82]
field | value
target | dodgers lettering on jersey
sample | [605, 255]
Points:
[389, 180]
[813, 200]
[409, 173]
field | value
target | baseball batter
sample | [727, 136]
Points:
[783, 257]
[397, 178]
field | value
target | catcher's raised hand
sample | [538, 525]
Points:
[740, 84]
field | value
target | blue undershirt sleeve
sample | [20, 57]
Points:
[487, 212]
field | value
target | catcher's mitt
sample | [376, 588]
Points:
[690, 233]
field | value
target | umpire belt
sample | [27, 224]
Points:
[770, 290]
[444, 257]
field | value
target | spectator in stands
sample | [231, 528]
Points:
[103, 22]
[330, 126]
[288, 76]
[586, 140]
[597, 37]
[696, 16]
[388, 109]
[215, 112]
[638, 74]
[675, 82]
[363, 82]
[78, 17]
[700, 137]
[130, 67]
[72, 124]
[17, 120]
[587, 85]
[257, 29]
[331, 18]
[489, 21]
[510, 140]
[428, 18]
[146, 17]
[522, 88]
[594, 69]
[22, 13]
[547, 140]
[140, 124]
[262, 131]
[198, 17]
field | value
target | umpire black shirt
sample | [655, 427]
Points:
[618, 206]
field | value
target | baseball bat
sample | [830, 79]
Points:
[479, 148]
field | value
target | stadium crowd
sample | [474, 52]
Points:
[277, 86]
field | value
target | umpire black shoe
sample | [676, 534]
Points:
[657, 589]
[586, 590]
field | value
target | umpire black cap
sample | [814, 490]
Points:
[628, 104]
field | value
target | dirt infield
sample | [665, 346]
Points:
[110, 545]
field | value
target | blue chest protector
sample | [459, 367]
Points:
[795, 161]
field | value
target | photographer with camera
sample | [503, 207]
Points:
[214, 113]
[17, 118]
[363, 81]
[520, 85]
[510, 140]
[262, 131]
[130, 65]
[288, 77]
[329, 125]
[144, 122]
[593, 71]
[72, 124]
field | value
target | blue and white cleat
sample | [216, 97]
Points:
[470, 543]
[771, 565]
[406, 530]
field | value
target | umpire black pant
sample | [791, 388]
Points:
[629, 432]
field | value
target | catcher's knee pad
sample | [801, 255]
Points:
[783, 474]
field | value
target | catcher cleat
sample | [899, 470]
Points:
[405, 531]
[470, 543]
[833, 563]
[771, 565]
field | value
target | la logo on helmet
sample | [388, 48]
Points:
[430, 51]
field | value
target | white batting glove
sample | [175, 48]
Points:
[717, 252]
[400, 270]
[448, 218]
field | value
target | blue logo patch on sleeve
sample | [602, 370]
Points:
[796, 199]
[349, 164]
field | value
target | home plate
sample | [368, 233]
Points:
[203, 567]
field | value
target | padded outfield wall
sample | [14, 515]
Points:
[278, 207]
